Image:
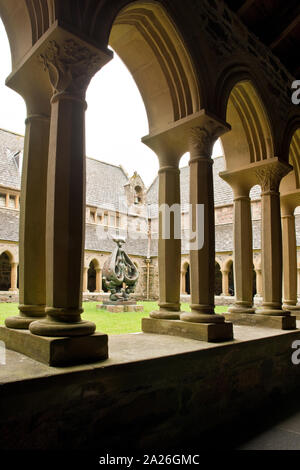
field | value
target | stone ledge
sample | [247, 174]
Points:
[287, 322]
[56, 351]
[120, 308]
[209, 332]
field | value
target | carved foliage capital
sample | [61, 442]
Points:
[202, 140]
[269, 177]
[70, 66]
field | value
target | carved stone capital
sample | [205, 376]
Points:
[202, 140]
[269, 176]
[70, 66]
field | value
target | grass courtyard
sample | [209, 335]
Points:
[110, 323]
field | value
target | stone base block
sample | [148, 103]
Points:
[56, 351]
[120, 308]
[287, 322]
[209, 332]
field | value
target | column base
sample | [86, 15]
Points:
[284, 322]
[51, 328]
[209, 332]
[293, 309]
[27, 315]
[165, 314]
[195, 317]
[241, 309]
[56, 351]
[19, 322]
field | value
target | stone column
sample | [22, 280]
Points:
[13, 276]
[258, 282]
[225, 282]
[98, 279]
[269, 177]
[32, 285]
[169, 241]
[183, 283]
[85, 280]
[298, 282]
[289, 246]
[243, 251]
[202, 256]
[71, 65]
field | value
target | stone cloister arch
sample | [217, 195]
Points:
[178, 73]
[252, 161]
[290, 200]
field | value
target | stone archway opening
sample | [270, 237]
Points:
[218, 279]
[250, 139]
[5, 272]
[149, 44]
[92, 277]
[231, 280]
[187, 280]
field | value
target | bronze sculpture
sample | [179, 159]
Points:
[120, 274]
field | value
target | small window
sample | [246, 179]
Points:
[92, 216]
[12, 202]
[105, 218]
[2, 199]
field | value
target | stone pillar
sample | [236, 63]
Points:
[98, 280]
[13, 276]
[183, 283]
[243, 251]
[269, 177]
[32, 286]
[71, 65]
[202, 258]
[169, 241]
[225, 282]
[259, 291]
[85, 280]
[298, 282]
[289, 246]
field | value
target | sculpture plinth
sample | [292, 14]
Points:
[120, 277]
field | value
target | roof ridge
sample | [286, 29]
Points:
[11, 132]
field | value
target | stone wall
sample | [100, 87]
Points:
[167, 399]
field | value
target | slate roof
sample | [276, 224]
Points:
[105, 184]
[9, 226]
[98, 240]
[222, 191]
[10, 144]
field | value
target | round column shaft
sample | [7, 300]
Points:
[225, 282]
[271, 243]
[65, 220]
[202, 258]
[169, 243]
[13, 277]
[32, 284]
[289, 245]
[243, 256]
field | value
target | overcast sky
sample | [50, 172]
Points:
[115, 119]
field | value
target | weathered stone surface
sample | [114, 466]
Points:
[198, 331]
[56, 351]
[149, 383]
[280, 322]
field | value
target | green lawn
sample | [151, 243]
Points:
[111, 323]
